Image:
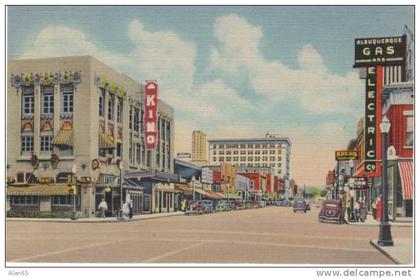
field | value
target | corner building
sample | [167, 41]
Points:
[76, 112]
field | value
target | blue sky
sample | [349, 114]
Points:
[230, 71]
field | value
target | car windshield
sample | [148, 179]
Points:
[331, 205]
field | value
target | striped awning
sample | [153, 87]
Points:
[407, 179]
[106, 141]
[64, 137]
[184, 188]
[204, 193]
[39, 190]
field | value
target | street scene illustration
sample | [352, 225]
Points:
[228, 135]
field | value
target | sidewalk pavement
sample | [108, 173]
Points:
[401, 252]
[370, 221]
[98, 219]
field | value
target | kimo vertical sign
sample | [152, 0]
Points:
[370, 120]
[150, 114]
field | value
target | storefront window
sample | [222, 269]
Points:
[409, 135]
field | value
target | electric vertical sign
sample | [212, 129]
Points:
[370, 120]
[150, 115]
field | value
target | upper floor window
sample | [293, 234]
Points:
[130, 122]
[409, 134]
[111, 108]
[27, 143]
[46, 145]
[28, 103]
[48, 103]
[101, 104]
[67, 102]
[119, 111]
[136, 120]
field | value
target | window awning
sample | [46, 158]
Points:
[106, 141]
[233, 196]
[407, 181]
[204, 193]
[64, 137]
[185, 189]
[39, 190]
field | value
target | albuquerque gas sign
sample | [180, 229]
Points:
[150, 115]
[379, 51]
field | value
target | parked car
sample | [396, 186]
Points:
[232, 204]
[208, 206]
[195, 207]
[239, 204]
[299, 204]
[285, 203]
[221, 205]
[332, 210]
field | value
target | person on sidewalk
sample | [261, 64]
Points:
[374, 210]
[103, 207]
[130, 209]
[379, 208]
[348, 208]
[363, 212]
[357, 211]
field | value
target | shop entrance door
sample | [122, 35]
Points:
[108, 200]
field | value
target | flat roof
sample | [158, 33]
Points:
[252, 140]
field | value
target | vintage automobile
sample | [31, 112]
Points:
[299, 204]
[332, 210]
[239, 204]
[195, 207]
[208, 206]
[221, 205]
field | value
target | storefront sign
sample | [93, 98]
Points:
[346, 155]
[183, 155]
[358, 183]
[150, 115]
[379, 51]
[370, 120]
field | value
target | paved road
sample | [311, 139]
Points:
[272, 235]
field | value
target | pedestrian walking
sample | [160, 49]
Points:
[348, 208]
[357, 211]
[374, 210]
[379, 208]
[130, 209]
[103, 207]
[363, 212]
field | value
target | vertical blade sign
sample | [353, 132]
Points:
[150, 115]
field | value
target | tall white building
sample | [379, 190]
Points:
[199, 146]
[271, 151]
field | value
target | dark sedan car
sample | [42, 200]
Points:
[300, 205]
[332, 210]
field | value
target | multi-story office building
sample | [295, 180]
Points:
[271, 151]
[75, 114]
[199, 147]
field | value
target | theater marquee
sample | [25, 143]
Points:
[150, 114]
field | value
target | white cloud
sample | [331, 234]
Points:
[317, 90]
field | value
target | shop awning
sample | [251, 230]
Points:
[220, 195]
[170, 190]
[215, 196]
[407, 181]
[233, 196]
[64, 137]
[204, 193]
[106, 141]
[39, 190]
[184, 188]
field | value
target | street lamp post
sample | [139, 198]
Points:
[73, 174]
[385, 237]
[120, 214]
